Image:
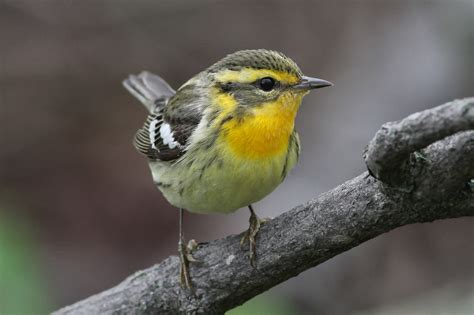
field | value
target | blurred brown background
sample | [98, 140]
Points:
[78, 209]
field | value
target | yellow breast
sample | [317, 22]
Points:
[264, 132]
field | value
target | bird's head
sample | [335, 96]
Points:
[251, 98]
[256, 78]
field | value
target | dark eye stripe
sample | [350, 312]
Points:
[266, 84]
[226, 87]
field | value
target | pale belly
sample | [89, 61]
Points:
[220, 185]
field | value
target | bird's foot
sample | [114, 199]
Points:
[185, 257]
[250, 235]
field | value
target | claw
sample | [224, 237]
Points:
[185, 257]
[264, 220]
[190, 248]
[250, 236]
[192, 245]
[244, 239]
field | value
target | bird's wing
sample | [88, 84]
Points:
[149, 89]
[165, 133]
[292, 155]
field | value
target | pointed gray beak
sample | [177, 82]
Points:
[308, 83]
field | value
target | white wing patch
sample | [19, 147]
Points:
[167, 136]
[151, 133]
[157, 140]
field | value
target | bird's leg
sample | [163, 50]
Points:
[185, 255]
[251, 233]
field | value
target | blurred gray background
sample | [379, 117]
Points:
[78, 210]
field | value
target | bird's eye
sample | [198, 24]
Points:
[266, 84]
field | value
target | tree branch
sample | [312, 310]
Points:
[429, 185]
[388, 153]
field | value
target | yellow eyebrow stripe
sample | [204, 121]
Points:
[248, 75]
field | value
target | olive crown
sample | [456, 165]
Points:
[257, 59]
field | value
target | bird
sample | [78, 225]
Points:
[225, 139]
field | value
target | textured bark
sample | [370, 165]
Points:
[388, 153]
[424, 165]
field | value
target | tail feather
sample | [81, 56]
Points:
[150, 89]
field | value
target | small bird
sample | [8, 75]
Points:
[225, 139]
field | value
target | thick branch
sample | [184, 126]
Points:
[303, 237]
[388, 153]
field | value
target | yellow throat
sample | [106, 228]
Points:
[263, 132]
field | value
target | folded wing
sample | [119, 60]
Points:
[173, 116]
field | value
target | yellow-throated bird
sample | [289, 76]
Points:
[226, 138]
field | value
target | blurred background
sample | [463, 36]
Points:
[78, 210]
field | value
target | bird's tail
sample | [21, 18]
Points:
[149, 89]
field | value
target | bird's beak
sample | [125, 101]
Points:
[308, 83]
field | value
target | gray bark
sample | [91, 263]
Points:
[388, 153]
[423, 168]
